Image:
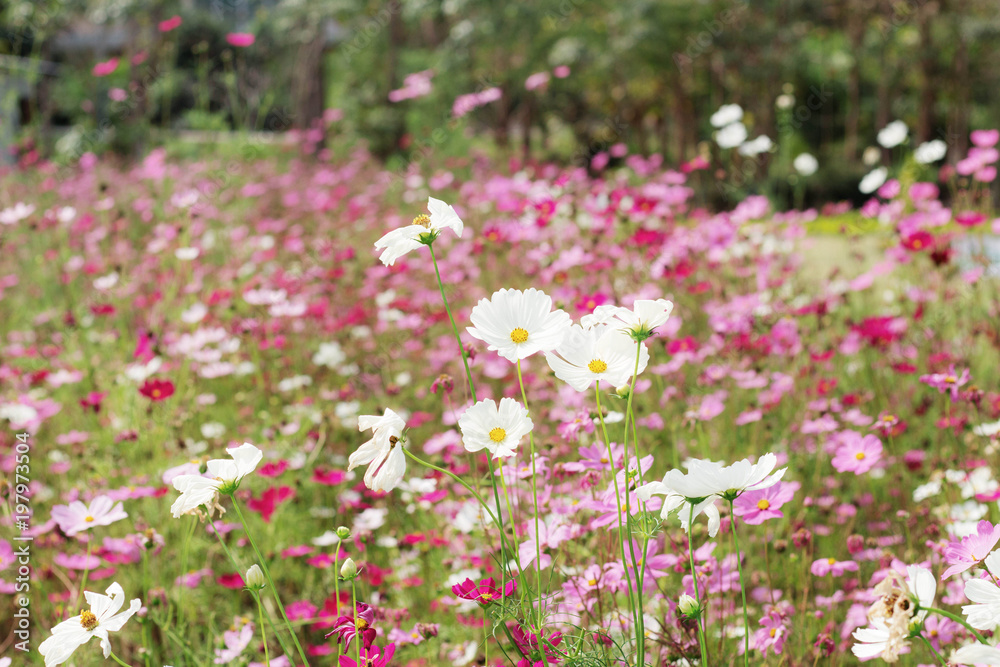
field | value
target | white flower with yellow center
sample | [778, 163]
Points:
[518, 324]
[383, 454]
[98, 621]
[498, 429]
[601, 354]
[423, 231]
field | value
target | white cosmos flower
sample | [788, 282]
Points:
[639, 323]
[733, 480]
[987, 430]
[892, 134]
[518, 324]
[675, 501]
[224, 477]
[871, 641]
[892, 614]
[984, 613]
[383, 454]
[761, 144]
[330, 355]
[600, 354]
[930, 151]
[731, 135]
[16, 213]
[873, 180]
[424, 230]
[805, 164]
[98, 621]
[975, 654]
[498, 429]
[726, 115]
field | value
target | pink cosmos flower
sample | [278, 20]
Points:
[241, 39]
[372, 656]
[105, 68]
[971, 549]
[236, 641]
[171, 23]
[857, 454]
[348, 627]
[77, 517]
[824, 566]
[985, 138]
[947, 382]
[756, 507]
[536, 80]
[485, 592]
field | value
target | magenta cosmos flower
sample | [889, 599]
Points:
[105, 68]
[858, 454]
[485, 592]
[77, 517]
[348, 627]
[240, 39]
[947, 382]
[971, 549]
[370, 657]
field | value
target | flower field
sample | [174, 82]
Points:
[253, 442]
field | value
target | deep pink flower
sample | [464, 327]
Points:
[371, 656]
[105, 68]
[241, 39]
[93, 400]
[348, 627]
[947, 382]
[971, 549]
[485, 592]
[171, 23]
[985, 138]
[531, 646]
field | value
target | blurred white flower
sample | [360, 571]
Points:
[761, 144]
[731, 135]
[873, 180]
[892, 134]
[805, 164]
[930, 151]
[726, 115]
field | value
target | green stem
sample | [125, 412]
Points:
[743, 590]
[930, 648]
[697, 596]
[957, 619]
[618, 503]
[354, 613]
[236, 566]
[534, 499]
[640, 637]
[270, 581]
[116, 659]
[263, 632]
[336, 591]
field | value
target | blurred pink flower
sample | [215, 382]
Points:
[240, 39]
[105, 68]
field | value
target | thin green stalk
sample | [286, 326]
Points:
[336, 590]
[743, 589]
[640, 636]
[534, 499]
[957, 619]
[697, 596]
[184, 564]
[417, 459]
[930, 648]
[270, 581]
[116, 659]
[263, 632]
[618, 502]
[354, 613]
[86, 572]
[236, 566]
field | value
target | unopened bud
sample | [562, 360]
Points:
[343, 532]
[349, 570]
[255, 578]
[688, 606]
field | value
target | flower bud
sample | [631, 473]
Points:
[349, 570]
[343, 532]
[688, 606]
[623, 391]
[255, 578]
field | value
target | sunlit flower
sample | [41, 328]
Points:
[601, 354]
[498, 429]
[383, 454]
[639, 323]
[972, 549]
[518, 324]
[102, 617]
[77, 517]
[423, 231]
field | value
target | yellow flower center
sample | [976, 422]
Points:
[888, 418]
[88, 620]
[519, 335]
[361, 624]
[951, 379]
[763, 504]
[860, 456]
[488, 597]
[423, 220]
[592, 582]
[831, 561]
[155, 393]
[597, 366]
[772, 632]
[498, 434]
[89, 519]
